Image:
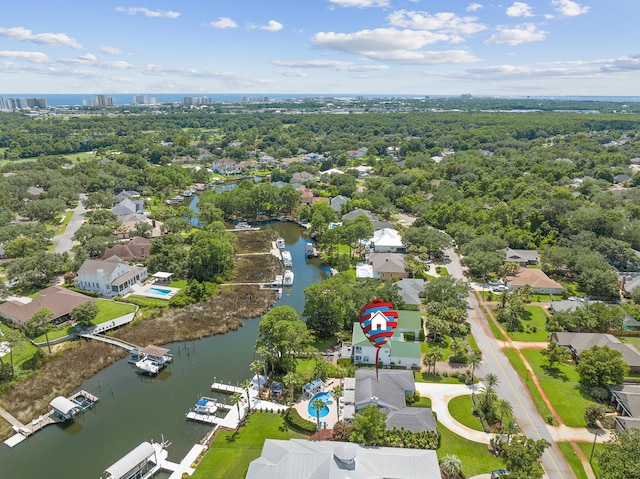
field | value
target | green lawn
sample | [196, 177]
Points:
[23, 351]
[635, 342]
[475, 457]
[442, 271]
[108, 310]
[422, 402]
[231, 452]
[534, 323]
[494, 328]
[572, 458]
[444, 345]
[430, 378]
[587, 447]
[460, 408]
[65, 221]
[561, 387]
[518, 365]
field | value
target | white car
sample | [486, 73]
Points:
[500, 288]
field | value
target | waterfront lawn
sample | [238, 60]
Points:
[574, 461]
[231, 452]
[460, 408]
[534, 324]
[561, 387]
[476, 458]
[23, 351]
[108, 310]
[518, 365]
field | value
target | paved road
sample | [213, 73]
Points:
[64, 241]
[510, 387]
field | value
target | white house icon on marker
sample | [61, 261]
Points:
[378, 321]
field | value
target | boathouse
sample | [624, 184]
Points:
[135, 464]
[64, 408]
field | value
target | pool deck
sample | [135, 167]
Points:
[331, 418]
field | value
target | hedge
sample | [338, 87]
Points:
[296, 422]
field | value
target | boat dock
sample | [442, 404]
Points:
[79, 402]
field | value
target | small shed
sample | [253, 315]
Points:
[156, 353]
[135, 464]
[312, 388]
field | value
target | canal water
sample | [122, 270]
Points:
[134, 408]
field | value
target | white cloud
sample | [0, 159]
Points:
[293, 74]
[272, 26]
[520, 9]
[569, 8]
[391, 45]
[474, 7]
[34, 57]
[148, 12]
[330, 64]
[223, 22]
[380, 39]
[106, 49]
[525, 33]
[444, 21]
[51, 39]
[89, 57]
[361, 3]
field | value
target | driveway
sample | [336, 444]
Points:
[64, 241]
[510, 387]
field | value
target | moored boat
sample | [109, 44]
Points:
[280, 243]
[287, 261]
[287, 279]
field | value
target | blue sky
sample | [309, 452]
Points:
[401, 47]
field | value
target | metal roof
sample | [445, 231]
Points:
[62, 404]
[140, 454]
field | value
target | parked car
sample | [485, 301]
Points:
[495, 282]
[499, 472]
[500, 288]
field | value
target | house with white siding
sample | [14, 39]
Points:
[110, 277]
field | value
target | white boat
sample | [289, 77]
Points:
[176, 200]
[243, 225]
[287, 262]
[287, 279]
[280, 243]
[187, 193]
[147, 366]
[204, 411]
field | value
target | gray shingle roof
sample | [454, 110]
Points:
[389, 388]
[414, 419]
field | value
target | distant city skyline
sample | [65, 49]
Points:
[374, 47]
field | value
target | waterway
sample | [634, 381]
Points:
[133, 408]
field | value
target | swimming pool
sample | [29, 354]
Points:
[159, 291]
[328, 400]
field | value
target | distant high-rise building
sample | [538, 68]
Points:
[188, 100]
[2, 106]
[36, 102]
[14, 103]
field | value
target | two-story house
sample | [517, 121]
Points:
[110, 277]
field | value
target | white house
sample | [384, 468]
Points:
[111, 277]
[387, 240]
[396, 351]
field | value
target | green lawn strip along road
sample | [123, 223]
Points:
[460, 409]
[231, 452]
[574, 461]
[561, 387]
[476, 458]
[587, 447]
[534, 318]
[421, 377]
[518, 365]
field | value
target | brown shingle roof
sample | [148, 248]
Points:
[58, 300]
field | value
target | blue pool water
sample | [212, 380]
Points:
[159, 291]
[327, 398]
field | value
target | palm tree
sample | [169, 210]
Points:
[475, 358]
[505, 408]
[459, 347]
[266, 354]
[451, 465]
[246, 385]
[491, 380]
[293, 379]
[257, 367]
[318, 405]
[432, 357]
[236, 399]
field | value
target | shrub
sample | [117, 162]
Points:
[409, 336]
[294, 421]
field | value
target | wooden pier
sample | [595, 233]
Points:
[83, 400]
[227, 388]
